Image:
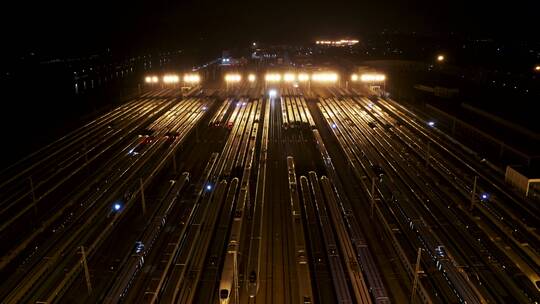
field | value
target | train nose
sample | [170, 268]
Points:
[223, 295]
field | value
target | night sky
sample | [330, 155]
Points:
[131, 26]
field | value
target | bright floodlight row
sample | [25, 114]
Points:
[368, 77]
[173, 78]
[338, 42]
[325, 77]
[301, 77]
[286, 77]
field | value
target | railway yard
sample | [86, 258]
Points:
[263, 194]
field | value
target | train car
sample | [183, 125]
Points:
[322, 148]
[303, 272]
[229, 273]
[291, 175]
[236, 141]
[249, 143]
[220, 114]
[308, 113]
[297, 119]
[360, 289]
[135, 262]
[214, 120]
[301, 112]
[229, 148]
[290, 113]
[248, 133]
[230, 122]
[285, 120]
[228, 277]
[259, 103]
[302, 109]
[338, 275]
[257, 222]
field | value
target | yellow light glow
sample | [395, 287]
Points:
[251, 77]
[289, 77]
[372, 77]
[192, 78]
[233, 77]
[151, 79]
[537, 68]
[324, 77]
[303, 77]
[272, 77]
[171, 79]
[341, 42]
[354, 77]
[440, 58]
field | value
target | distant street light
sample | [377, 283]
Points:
[440, 58]
[537, 68]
